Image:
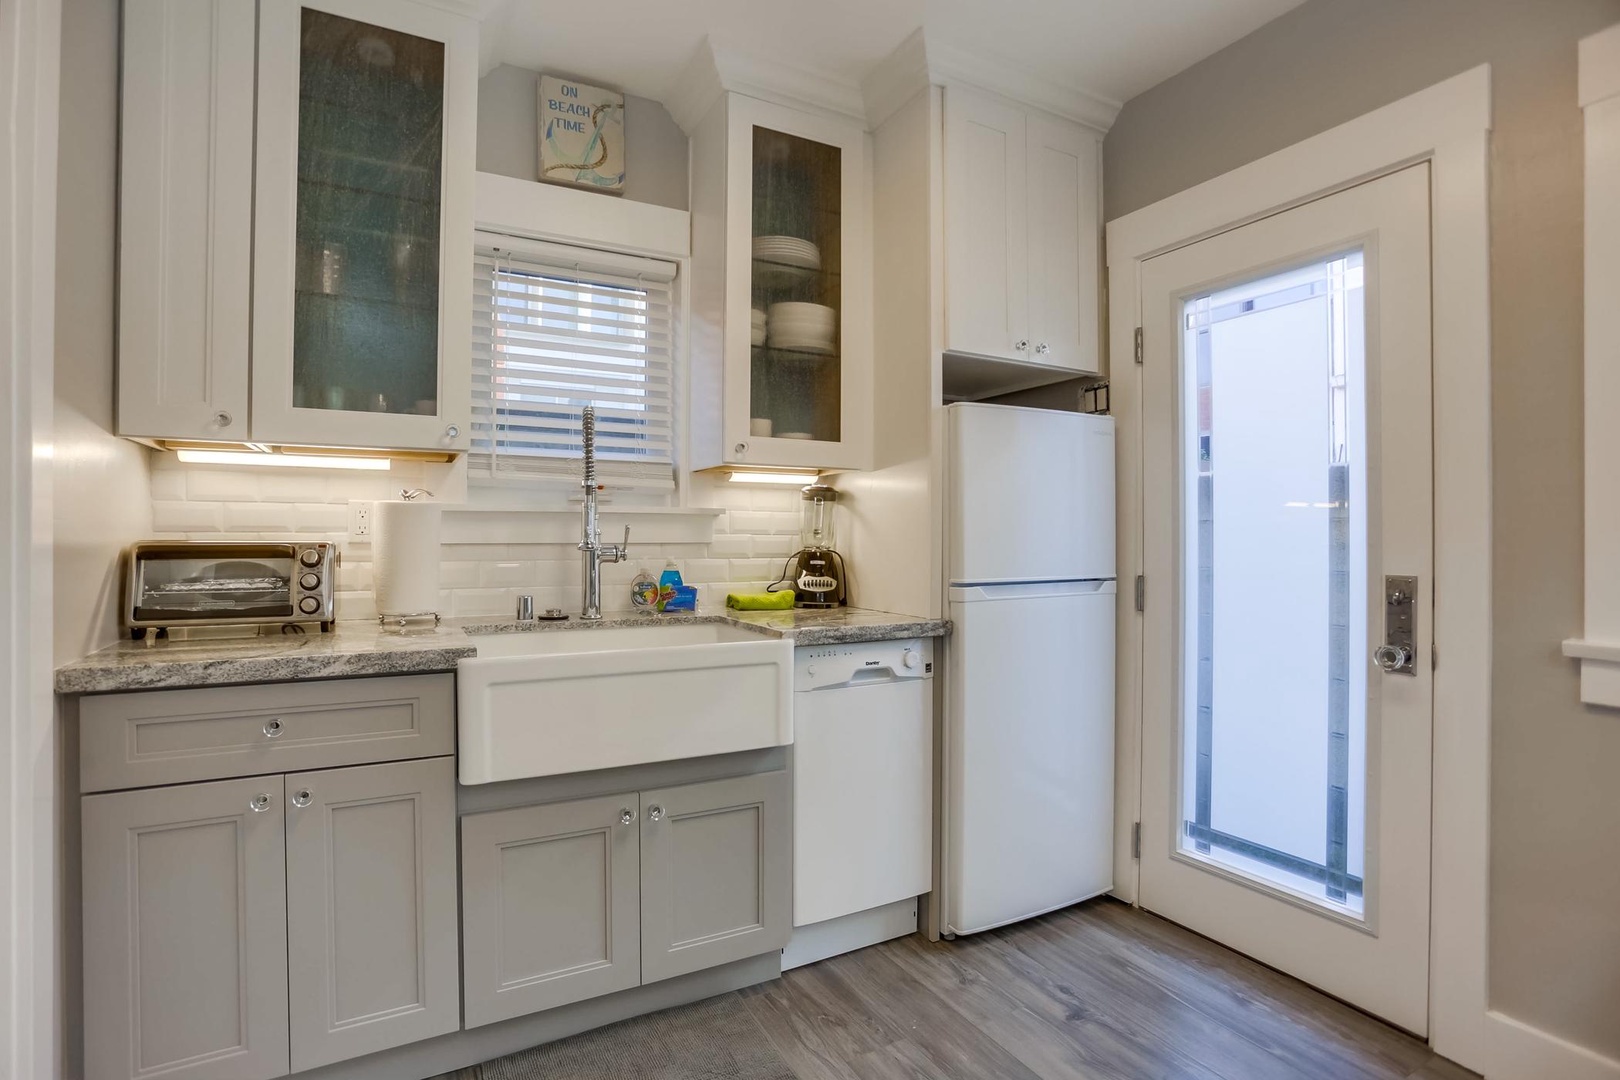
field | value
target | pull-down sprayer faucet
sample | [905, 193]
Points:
[595, 552]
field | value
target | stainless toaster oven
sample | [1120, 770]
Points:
[189, 583]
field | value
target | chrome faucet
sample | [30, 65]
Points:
[595, 552]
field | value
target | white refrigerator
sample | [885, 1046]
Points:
[1028, 780]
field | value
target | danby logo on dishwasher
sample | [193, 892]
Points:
[874, 663]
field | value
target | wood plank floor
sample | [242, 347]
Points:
[1095, 992]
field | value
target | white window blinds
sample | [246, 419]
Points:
[558, 328]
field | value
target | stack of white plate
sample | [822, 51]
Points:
[787, 250]
[802, 327]
[756, 330]
[784, 261]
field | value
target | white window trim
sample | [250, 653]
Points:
[1449, 126]
[528, 211]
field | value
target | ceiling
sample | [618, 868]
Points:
[1113, 49]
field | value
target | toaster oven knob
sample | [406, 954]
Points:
[310, 557]
[309, 605]
[310, 582]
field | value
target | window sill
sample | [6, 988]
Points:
[494, 523]
[1600, 670]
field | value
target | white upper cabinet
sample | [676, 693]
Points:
[339, 184]
[1022, 228]
[781, 289]
[185, 220]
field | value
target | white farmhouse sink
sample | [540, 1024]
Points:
[546, 702]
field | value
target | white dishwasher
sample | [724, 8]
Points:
[863, 794]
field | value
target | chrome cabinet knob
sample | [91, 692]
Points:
[1022, 344]
[303, 797]
[272, 729]
[741, 449]
[655, 813]
[1043, 348]
[222, 419]
[452, 432]
[260, 803]
[1393, 658]
[626, 816]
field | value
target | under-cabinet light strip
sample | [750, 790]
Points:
[749, 477]
[283, 461]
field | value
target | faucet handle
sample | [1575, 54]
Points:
[624, 548]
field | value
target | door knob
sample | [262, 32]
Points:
[1393, 658]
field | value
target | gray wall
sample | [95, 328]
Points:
[1555, 874]
[509, 138]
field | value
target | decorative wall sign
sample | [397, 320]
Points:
[581, 134]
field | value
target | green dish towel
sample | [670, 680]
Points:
[769, 601]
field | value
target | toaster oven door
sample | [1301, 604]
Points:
[206, 583]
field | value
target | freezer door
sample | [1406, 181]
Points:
[1031, 494]
[1029, 751]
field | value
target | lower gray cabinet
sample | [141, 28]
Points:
[205, 904]
[371, 908]
[185, 932]
[571, 900]
[550, 906]
[716, 873]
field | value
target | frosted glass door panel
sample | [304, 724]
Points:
[1275, 560]
[370, 149]
[796, 317]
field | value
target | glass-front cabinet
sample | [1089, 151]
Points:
[782, 291]
[362, 228]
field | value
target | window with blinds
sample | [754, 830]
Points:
[556, 329]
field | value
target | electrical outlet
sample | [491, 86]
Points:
[359, 520]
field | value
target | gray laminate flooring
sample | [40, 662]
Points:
[1095, 992]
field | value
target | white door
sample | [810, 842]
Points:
[986, 226]
[1064, 182]
[1286, 426]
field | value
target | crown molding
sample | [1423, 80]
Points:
[922, 60]
[716, 69]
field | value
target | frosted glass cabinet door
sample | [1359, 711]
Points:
[363, 224]
[185, 932]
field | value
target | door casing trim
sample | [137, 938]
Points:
[1449, 126]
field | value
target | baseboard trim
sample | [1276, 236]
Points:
[1519, 1051]
[460, 1049]
[818, 941]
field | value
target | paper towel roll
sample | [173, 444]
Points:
[405, 557]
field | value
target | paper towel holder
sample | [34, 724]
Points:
[409, 620]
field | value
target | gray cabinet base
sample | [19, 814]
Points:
[460, 1049]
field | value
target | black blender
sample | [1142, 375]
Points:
[816, 571]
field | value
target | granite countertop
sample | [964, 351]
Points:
[364, 648]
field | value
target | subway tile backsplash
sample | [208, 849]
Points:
[755, 533]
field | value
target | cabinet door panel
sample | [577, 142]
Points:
[185, 933]
[986, 226]
[186, 219]
[1063, 243]
[716, 873]
[550, 906]
[371, 908]
[362, 321]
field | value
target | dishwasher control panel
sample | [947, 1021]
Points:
[821, 667]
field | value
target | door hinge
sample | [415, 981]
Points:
[1138, 344]
[1141, 593]
[1136, 840]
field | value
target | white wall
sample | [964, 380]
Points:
[30, 963]
[655, 147]
[103, 491]
[756, 531]
[1554, 938]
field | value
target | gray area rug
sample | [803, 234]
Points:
[717, 1039]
